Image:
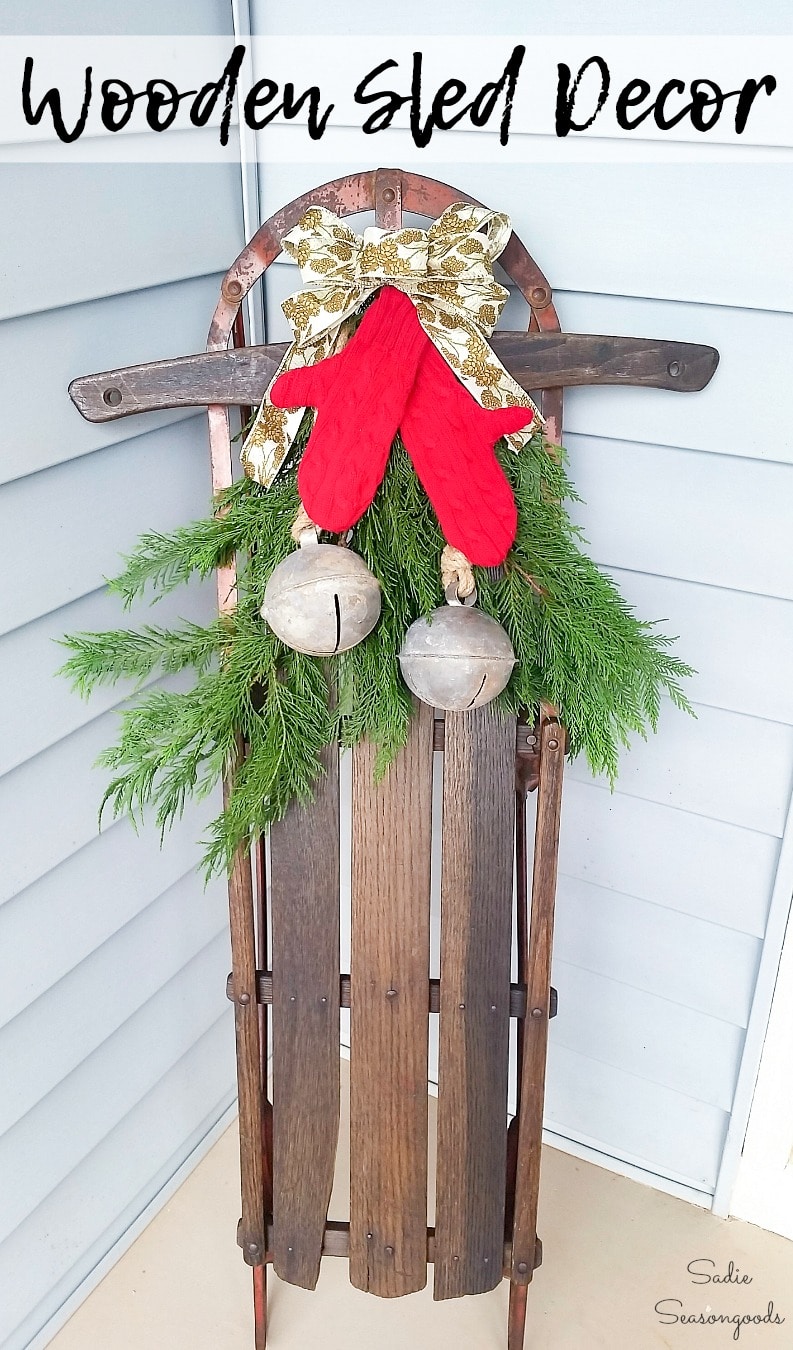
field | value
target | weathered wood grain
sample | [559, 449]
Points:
[536, 360]
[304, 890]
[476, 921]
[535, 1034]
[391, 841]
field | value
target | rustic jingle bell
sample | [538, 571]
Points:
[458, 658]
[322, 599]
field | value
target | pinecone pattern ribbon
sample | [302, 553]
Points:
[446, 271]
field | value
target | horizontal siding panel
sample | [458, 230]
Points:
[45, 823]
[54, 1138]
[646, 1036]
[457, 17]
[57, 1247]
[740, 644]
[697, 965]
[50, 1039]
[687, 863]
[631, 1118]
[723, 765]
[648, 208]
[93, 17]
[44, 352]
[69, 526]
[720, 520]
[64, 916]
[104, 243]
[37, 706]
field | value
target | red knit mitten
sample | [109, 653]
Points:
[450, 439]
[360, 395]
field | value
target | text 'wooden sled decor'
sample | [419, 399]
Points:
[487, 1173]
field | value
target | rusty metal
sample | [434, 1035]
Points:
[521, 902]
[516, 1316]
[365, 192]
[263, 958]
[264, 994]
[246, 1023]
[260, 1306]
[388, 198]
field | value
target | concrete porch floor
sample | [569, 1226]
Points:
[613, 1248]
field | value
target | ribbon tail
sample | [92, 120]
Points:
[274, 428]
[269, 439]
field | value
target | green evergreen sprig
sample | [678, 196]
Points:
[578, 644]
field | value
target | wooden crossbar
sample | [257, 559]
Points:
[264, 994]
[336, 1242]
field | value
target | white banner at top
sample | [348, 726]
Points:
[434, 99]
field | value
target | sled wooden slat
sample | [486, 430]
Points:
[476, 920]
[304, 887]
[389, 973]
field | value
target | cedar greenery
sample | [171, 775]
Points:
[579, 646]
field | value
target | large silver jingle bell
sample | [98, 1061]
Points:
[322, 599]
[459, 658]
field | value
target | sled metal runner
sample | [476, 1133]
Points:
[487, 1173]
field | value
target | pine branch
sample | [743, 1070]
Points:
[105, 658]
[578, 646]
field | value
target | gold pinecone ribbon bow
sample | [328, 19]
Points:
[446, 270]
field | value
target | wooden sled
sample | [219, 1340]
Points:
[487, 1172]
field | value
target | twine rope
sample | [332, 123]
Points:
[301, 523]
[455, 568]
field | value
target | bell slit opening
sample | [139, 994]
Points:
[337, 608]
[478, 692]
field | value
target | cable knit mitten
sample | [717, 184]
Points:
[360, 396]
[450, 439]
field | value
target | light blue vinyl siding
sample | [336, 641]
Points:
[116, 1042]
